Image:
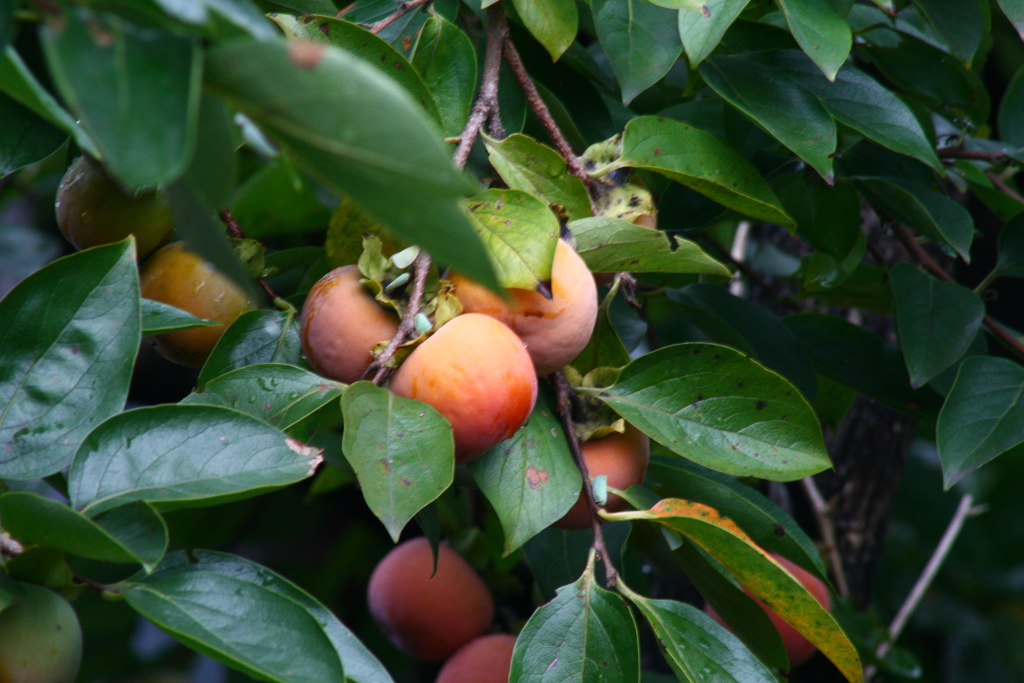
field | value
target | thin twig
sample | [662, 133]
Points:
[922, 257]
[420, 266]
[95, 585]
[235, 230]
[823, 512]
[1003, 187]
[963, 511]
[563, 392]
[400, 12]
[958, 152]
[487, 98]
[540, 110]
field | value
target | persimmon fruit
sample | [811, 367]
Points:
[92, 210]
[476, 372]
[798, 648]
[426, 614]
[180, 278]
[488, 659]
[341, 322]
[40, 638]
[554, 330]
[622, 458]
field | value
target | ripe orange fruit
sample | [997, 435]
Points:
[487, 659]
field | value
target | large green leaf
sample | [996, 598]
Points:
[240, 614]
[702, 25]
[402, 452]
[552, 22]
[640, 39]
[983, 416]
[930, 213]
[358, 41]
[135, 90]
[70, 334]
[278, 199]
[821, 32]
[281, 395]
[183, 456]
[702, 162]
[363, 135]
[520, 232]
[717, 407]
[761, 574]
[530, 480]
[936, 321]
[827, 217]
[131, 533]
[1011, 109]
[1011, 248]
[446, 60]
[960, 23]
[784, 108]
[611, 245]
[24, 138]
[585, 635]
[259, 336]
[1014, 11]
[527, 165]
[158, 317]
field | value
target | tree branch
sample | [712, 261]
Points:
[563, 394]
[922, 257]
[540, 110]
[402, 10]
[1003, 187]
[486, 105]
[958, 152]
[380, 367]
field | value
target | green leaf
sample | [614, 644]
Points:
[958, 22]
[855, 357]
[760, 574]
[821, 32]
[358, 41]
[641, 41]
[784, 108]
[132, 533]
[982, 418]
[702, 162]
[530, 480]
[70, 334]
[158, 317]
[611, 245]
[527, 165]
[183, 456]
[6, 21]
[242, 615]
[552, 22]
[259, 336]
[827, 217]
[605, 348]
[930, 213]
[860, 102]
[1011, 107]
[18, 82]
[711, 404]
[1014, 11]
[24, 138]
[936, 321]
[402, 452]
[135, 90]
[585, 635]
[1011, 248]
[767, 524]
[702, 25]
[278, 199]
[446, 60]
[697, 647]
[520, 233]
[362, 135]
[280, 395]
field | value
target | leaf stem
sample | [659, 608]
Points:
[1003, 187]
[922, 257]
[95, 585]
[563, 405]
[964, 510]
[400, 12]
[407, 327]
[486, 106]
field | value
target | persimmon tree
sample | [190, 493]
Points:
[784, 205]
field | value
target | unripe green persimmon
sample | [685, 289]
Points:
[476, 372]
[428, 614]
[488, 659]
[180, 278]
[40, 639]
[341, 322]
[93, 210]
[554, 330]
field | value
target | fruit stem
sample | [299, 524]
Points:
[563, 405]
[407, 328]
